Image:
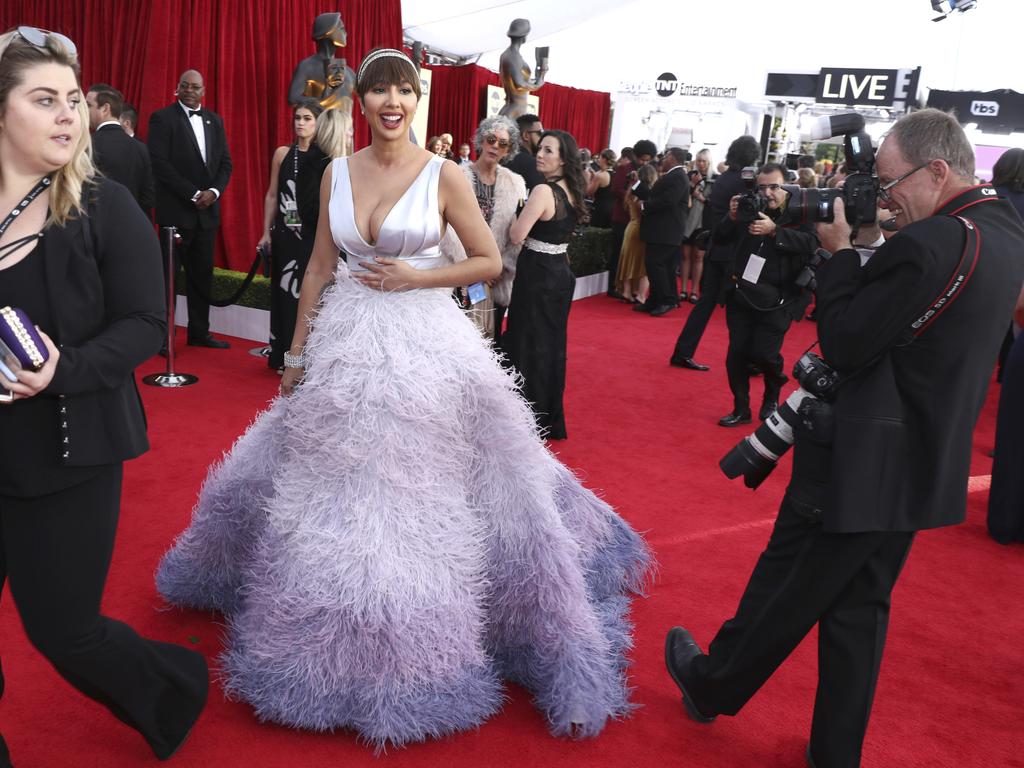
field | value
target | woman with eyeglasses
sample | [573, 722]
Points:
[290, 243]
[499, 193]
[83, 263]
[391, 539]
[538, 313]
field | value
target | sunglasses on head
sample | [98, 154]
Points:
[492, 140]
[38, 37]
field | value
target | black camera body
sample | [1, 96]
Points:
[750, 205]
[860, 187]
[816, 377]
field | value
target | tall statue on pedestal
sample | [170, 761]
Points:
[515, 72]
[321, 76]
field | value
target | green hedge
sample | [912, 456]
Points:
[588, 254]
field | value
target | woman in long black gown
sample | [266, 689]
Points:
[290, 243]
[538, 314]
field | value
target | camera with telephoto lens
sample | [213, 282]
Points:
[860, 187]
[750, 205]
[756, 455]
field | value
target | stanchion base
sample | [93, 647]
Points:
[263, 351]
[170, 379]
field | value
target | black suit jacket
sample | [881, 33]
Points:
[525, 164]
[104, 283]
[905, 416]
[665, 207]
[125, 160]
[179, 168]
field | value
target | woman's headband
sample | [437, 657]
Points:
[381, 54]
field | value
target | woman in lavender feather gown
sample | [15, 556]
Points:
[391, 538]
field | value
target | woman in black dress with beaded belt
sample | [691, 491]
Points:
[538, 314]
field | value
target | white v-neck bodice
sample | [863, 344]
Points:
[411, 230]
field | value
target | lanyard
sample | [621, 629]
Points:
[37, 190]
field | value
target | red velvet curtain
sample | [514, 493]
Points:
[246, 51]
[457, 105]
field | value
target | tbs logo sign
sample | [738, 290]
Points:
[985, 108]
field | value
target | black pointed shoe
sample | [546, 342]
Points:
[734, 419]
[680, 650]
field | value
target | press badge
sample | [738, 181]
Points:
[477, 293]
[291, 215]
[752, 272]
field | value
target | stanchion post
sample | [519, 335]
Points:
[169, 378]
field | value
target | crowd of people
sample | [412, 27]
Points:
[391, 538]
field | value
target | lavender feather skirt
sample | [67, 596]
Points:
[394, 540]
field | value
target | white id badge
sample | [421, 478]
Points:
[477, 293]
[752, 272]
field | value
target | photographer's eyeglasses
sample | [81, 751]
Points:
[884, 191]
[492, 140]
[37, 37]
[766, 187]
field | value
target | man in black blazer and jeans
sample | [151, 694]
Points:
[115, 153]
[192, 166]
[899, 456]
[661, 229]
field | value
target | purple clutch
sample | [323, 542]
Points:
[21, 346]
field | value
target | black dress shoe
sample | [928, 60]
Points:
[615, 294]
[662, 309]
[208, 341]
[688, 363]
[645, 307]
[767, 409]
[734, 419]
[680, 650]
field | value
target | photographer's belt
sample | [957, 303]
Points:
[962, 273]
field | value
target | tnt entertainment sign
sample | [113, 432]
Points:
[874, 87]
[667, 85]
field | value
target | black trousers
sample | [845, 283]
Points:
[618, 235]
[1006, 498]
[659, 260]
[840, 581]
[712, 284]
[754, 337]
[195, 252]
[56, 551]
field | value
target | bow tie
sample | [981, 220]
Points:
[193, 112]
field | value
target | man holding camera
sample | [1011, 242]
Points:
[768, 256]
[912, 330]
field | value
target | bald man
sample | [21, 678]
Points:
[191, 163]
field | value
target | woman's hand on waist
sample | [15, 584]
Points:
[388, 275]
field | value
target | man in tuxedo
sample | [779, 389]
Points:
[189, 151]
[661, 229]
[912, 329]
[116, 154]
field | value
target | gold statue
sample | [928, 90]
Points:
[515, 72]
[321, 76]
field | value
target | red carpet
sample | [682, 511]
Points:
[644, 434]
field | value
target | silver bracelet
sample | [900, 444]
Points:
[293, 361]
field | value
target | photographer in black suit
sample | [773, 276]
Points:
[192, 166]
[912, 382]
[743, 151]
[661, 229]
[763, 300]
[116, 154]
